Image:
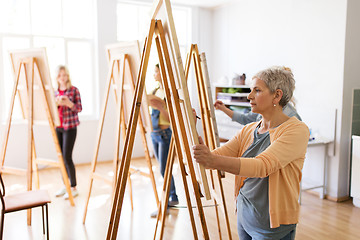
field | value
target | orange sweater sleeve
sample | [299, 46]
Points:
[287, 144]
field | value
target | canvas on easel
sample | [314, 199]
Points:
[161, 10]
[132, 49]
[210, 131]
[33, 86]
[124, 59]
[39, 114]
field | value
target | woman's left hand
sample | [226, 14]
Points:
[65, 101]
[202, 154]
[194, 115]
[156, 102]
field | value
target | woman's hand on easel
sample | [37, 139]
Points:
[203, 155]
[194, 115]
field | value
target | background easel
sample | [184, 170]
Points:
[123, 63]
[211, 137]
[181, 118]
[32, 82]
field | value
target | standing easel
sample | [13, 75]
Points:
[32, 84]
[181, 118]
[211, 137]
[123, 60]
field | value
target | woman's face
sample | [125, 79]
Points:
[62, 77]
[157, 75]
[261, 99]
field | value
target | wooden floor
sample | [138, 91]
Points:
[320, 219]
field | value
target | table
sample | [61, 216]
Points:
[325, 144]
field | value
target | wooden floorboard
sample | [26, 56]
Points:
[320, 219]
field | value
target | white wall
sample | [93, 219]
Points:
[307, 36]
[201, 35]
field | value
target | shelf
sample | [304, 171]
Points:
[233, 94]
[232, 86]
[243, 104]
[234, 97]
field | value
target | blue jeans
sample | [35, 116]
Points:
[243, 235]
[161, 142]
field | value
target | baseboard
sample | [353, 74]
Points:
[328, 197]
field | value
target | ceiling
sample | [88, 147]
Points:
[201, 3]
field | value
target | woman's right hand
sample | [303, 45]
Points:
[219, 105]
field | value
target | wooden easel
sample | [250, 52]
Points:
[117, 69]
[211, 137]
[31, 65]
[175, 103]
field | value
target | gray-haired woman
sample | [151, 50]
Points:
[267, 158]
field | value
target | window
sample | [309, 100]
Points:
[15, 16]
[68, 39]
[134, 22]
[79, 60]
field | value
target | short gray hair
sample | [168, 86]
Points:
[279, 78]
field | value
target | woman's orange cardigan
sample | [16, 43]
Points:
[282, 161]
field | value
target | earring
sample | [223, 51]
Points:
[274, 105]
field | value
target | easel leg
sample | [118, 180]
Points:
[175, 137]
[186, 149]
[129, 141]
[119, 124]
[35, 166]
[224, 204]
[130, 192]
[123, 125]
[143, 137]
[8, 122]
[187, 194]
[166, 191]
[148, 161]
[99, 134]
[215, 205]
[186, 188]
[55, 139]
[30, 83]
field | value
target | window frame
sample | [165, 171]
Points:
[5, 100]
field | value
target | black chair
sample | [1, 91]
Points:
[23, 201]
